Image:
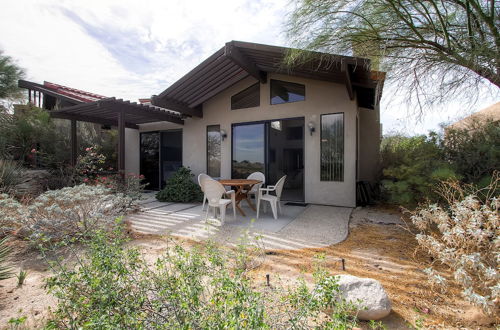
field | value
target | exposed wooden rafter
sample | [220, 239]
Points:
[235, 55]
[344, 67]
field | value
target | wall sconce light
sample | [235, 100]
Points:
[312, 129]
[223, 134]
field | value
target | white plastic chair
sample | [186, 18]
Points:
[274, 200]
[255, 189]
[202, 177]
[214, 192]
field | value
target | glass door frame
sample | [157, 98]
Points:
[160, 169]
[267, 124]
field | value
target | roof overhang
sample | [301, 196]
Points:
[42, 89]
[106, 112]
[238, 60]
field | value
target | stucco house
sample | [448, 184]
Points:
[242, 110]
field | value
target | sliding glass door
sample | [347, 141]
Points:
[248, 150]
[150, 159]
[161, 156]
[286, 156]
[275, 148]
[170, 153]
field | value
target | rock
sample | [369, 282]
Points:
[32, 182]
[375, 302]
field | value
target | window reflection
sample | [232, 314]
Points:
[332, 147]
[248, 150]
[213, 150]
[286, 92]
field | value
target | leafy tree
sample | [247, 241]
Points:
[433, 49]
[10, 73]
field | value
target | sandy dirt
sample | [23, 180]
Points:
[379, 250]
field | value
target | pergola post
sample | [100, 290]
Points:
[74, 143]
[121, 142]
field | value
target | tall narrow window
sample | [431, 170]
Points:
[247, 98]
[332, 147]
[287, 92]
[213, 150]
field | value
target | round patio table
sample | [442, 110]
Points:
[243, 186]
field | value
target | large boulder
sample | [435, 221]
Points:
[375, 303]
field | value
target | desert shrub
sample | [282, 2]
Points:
[12, 214]
[181, 188]
[465, 237]
[70, 212]
[5, 269]
[474, 151]
[10, 175]
[412, 167]
[203, 288]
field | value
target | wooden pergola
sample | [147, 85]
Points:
[114, 112]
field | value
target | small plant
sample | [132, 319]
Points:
[201, 288]
[181, 188]
[465, 237]
[5, 270]
[21, 277]
[10, 175]
[16, 322]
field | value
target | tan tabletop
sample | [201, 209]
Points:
[243, 186]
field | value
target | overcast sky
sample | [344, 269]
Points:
[133, 49]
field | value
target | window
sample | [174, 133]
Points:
[247, 98]
[213, 150]
[286, 92]
[332, 147]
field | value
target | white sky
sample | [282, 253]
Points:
[132, 49]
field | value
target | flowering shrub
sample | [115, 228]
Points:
[202, 288]
[466, 238]
[90, 165]
[66, 213]
[130, 184]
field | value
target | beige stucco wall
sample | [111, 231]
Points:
[321, 98]
[369, 144]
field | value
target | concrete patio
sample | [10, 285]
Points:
[313, 226]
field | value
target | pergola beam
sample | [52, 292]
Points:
[90, 119]
[74, 143]
[121, 142]
[169, 103]
[234, 54]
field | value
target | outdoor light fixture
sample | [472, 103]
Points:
[311, 127]
[223, 134]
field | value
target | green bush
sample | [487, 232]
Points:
[412, 167]
[113, 287]
[474, 151]
[181, 188]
